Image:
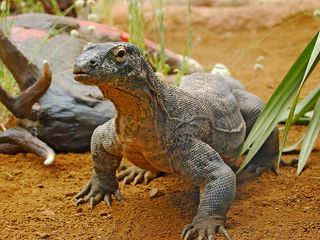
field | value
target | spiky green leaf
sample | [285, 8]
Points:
[310, 138]
[281, 99]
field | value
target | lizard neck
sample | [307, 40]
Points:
[139, 107]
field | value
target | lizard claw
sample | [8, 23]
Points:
[135, 175]
[258, 170]
[85, 190]
[96, 191]
[107, 199]
[205, 228]
[222, 230]
[118, 195]
[290, 163]
[91, 203]
[79, 201]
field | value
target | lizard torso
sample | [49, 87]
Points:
[150, 121]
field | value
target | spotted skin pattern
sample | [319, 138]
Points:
[187, 130]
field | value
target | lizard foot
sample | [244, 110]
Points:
[205, 229]
[259, 169]
[135, 175]
[97, 190]
[291, 163]
[260, 164]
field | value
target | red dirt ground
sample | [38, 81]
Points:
[37, 201]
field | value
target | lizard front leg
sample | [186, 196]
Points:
[106, 157]
[203, 166]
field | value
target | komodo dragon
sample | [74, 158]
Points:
[188, 131]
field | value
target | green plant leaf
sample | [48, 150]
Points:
[310, 138]
[314, 58]
[293, 146]
[281, 99]
[309, 114]
[304, 105]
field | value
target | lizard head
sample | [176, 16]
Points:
[111, 64]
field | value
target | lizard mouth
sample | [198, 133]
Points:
[84, 77]
[80, 75]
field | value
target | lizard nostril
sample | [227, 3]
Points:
[93, 62]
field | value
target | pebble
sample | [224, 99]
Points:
[316, 13]
[91, 28]
[155, 192]
[93, 17]
[306, 208]
[227, 34]
[48, 213]
[91, 2]
[8, 176]
[258, 67]
[260, 58]
[74, 33]
[70, 194]
[42, 235]
[106, 215]
[79, 3]
[220, 69]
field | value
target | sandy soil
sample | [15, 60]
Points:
[37, 201]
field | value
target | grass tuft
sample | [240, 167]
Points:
[136, 24]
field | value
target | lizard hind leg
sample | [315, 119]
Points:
[267, 156]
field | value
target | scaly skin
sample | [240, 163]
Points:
[187, 131]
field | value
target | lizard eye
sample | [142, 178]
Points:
[120, 54]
